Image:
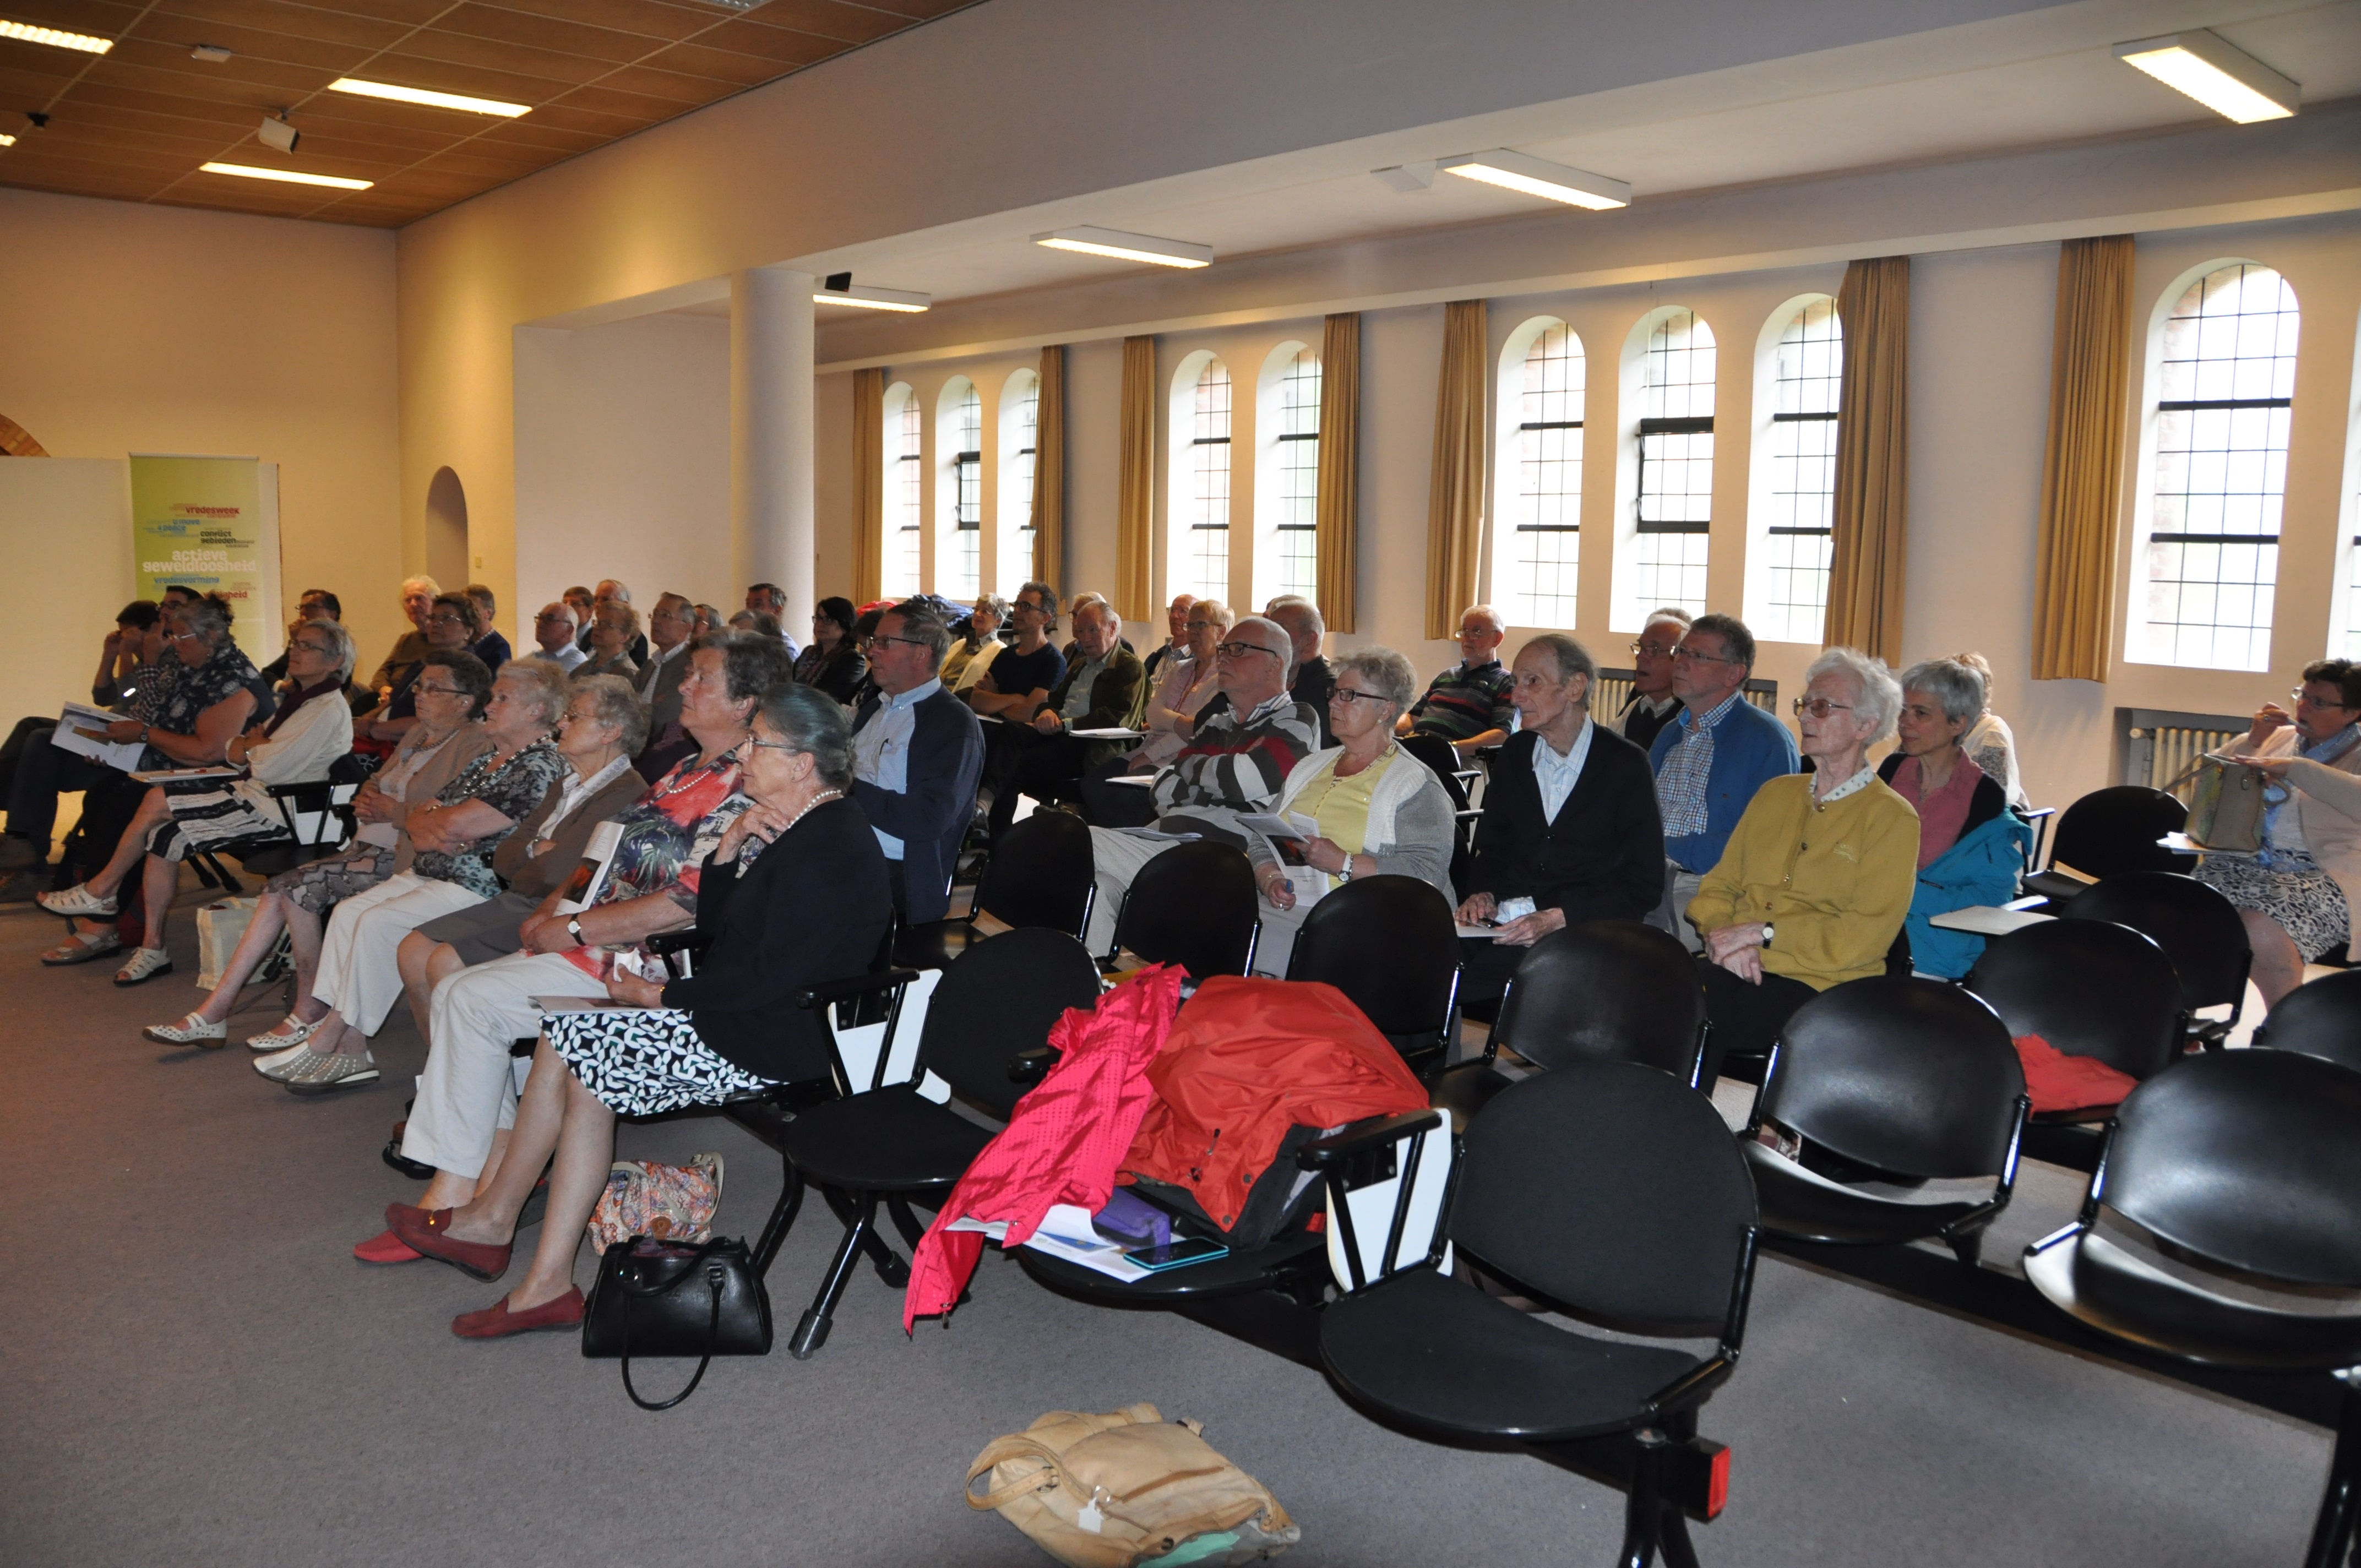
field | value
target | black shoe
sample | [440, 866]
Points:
[409, 1168]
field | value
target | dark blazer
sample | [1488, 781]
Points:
[1602, 859]
[1118, 700]
[931, 816]
[814, 907]
[1315, 683]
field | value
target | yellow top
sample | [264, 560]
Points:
[1341, 807]
[1835, 880]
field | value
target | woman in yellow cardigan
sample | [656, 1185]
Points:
[1818, 876]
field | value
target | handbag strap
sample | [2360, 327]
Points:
[714, 1273]
[1017, 1446]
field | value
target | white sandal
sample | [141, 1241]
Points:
[192, 1030]
[281, 1037]
[82, 947]
[77, 901]
[146, 964]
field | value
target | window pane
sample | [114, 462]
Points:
[1205, 552]
[1806, 375]
[1297, 536]
[967, 501]
[1017, 492]
[1675, 489]
[904, 500]
[1546, 517]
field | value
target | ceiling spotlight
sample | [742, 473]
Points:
[2217, 73]
[505, 110]
[1540, 177]
[26, 32]
[276, 133]
[838, 288]
[292, 177]
[6, 140]
[212, 54]
[1093, 241]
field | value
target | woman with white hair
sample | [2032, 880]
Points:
[1972, 845]
[1817, 875]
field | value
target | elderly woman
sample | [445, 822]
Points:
[614, 625]
[310, 730]
[1379, 810]
[455, 836]
[1990, 742]
[794, 893]
[452, 690]
[973, 653]
[2296, 892]
[1817, 874]
[451, 626]
[834, 663]
[1971, 847]
[1184, 686]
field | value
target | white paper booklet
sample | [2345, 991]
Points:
[582, 888]
[1066, 1231]
[1295, 824]
[69, 736]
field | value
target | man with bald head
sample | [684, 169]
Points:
[554, 629]
[614, 590]
[1468, 705]
[1315, 681]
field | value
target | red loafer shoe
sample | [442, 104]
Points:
[496, 1322]
[477, 1259]
[386, 1247]
[395, 1211]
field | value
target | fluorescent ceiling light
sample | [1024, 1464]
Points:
[425, 95]
[2218, 74]
[869, 299]
[1540, 177]
[56, 38]
[292, 177]
[7, 141]
[1093, 241]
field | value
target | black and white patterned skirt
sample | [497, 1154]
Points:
[2295, 892]
[216, 817]
[643, 1061]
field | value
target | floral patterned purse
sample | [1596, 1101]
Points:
[668, 1203]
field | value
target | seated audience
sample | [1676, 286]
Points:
[1176, 637]
[307, 733]
[1236, 762]
[710, 619]
[1709, 761]
[1990, 742]
[1187, 686]
[489, 645]
[916, 754]
[450, 621]
[1380, 811]
[1023, 674]
[1102, 689]
[670, 626]
[795, 893]
[453, 838]
[977, 645]
[441, 745]
[554, 630]
[1971, 847]
[1314, 679]
[1569, 820]
[315, 604]
[1468, 705]
[754, 620]
[400, 666]
[614, 629]
[1653, 702]
[834, 663]
[2296, 892]
[121, 653]
[581, 601]
[615, 590]
[1816, 878]
[764, 599]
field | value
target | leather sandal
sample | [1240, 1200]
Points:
[478, 1260]
[80, 949]
[496, 1322]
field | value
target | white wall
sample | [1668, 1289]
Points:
[65, 524]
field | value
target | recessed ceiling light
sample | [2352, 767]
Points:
[1093, 241]
[292, 177]
[1540, 177]
[8, 141]
[869, 299]
[212, 54]
[2217, 73]
[26, 32]
[426, 95]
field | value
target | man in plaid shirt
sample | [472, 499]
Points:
[1236, 764]
[1468, 705]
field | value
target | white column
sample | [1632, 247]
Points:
[771, 435]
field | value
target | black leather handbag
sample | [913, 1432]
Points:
[662, 1297]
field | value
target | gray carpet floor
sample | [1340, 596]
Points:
[195, 1371]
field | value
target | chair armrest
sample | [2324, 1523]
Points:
[688, 939]
[1373, 1133]
[1031, 1066]
[843, 990]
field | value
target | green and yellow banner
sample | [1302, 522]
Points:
[212, 525]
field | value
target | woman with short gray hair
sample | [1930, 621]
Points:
[1971, 847]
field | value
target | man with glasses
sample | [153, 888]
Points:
[613, 590]
[1709, 761]
[670, 626]
[916, 754]
[1468, 705]
[400, 666]
[554, 630]
[1023, 674]
[1235, 763]
[1652, 703]
[769, 599]
[1104, 689]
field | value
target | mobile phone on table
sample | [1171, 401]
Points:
[1177, 1254]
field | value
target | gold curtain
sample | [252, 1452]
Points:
[1455, 496]
[2081, 473]
[868, 485]
[1872, 492]
[1338, 509]
[1049, 469]
[1134, 513]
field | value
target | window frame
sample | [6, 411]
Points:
[1510, 533]
[1183, 501]
[1275, 447]
[1020, 410]
[959, 480]
[1764, 611]
[904, 481]
[1629, 604]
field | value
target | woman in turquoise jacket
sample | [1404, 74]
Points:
[1972, 845]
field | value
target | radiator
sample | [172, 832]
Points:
[2159, 755]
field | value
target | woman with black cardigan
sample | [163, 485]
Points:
[794, 893]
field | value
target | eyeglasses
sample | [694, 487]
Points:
[446, 620]
[2302, 696]
[299, 646]
[913, 641]
[1646, 649]
[538, 618]
[1694, 657]
[1236, 650]
[1819, 707]
[423, 689]
[1344, 694]
[762, 745]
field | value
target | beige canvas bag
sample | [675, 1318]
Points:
[1113, 1490]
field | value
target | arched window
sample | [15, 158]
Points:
[1537, 551]
[1800, 377]
[1020, 445]
[959, 437]
[2223, 375]
[1287, 541]
[1673, 489]
[905, 542]
[1199, 546]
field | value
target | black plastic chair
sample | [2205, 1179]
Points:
[1903, 1079]
[1605, 990]
[1194, 905]
[1614, 1194]
[888, 1143]
[2319, 1018]
[2089, 988]
[2111, 831]
[2247, 1168]
[2200, 931]
[1443, 763]
[1391, 945]
[1042, 874]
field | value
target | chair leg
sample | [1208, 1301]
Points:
[811, 1329]
[890, 1268]
[1678, 1552]
[1644, 1508]
[906, 1221]
[2331, 1534]
[1968, 1246]
[782, 1219]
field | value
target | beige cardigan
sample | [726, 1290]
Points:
[2328, 805]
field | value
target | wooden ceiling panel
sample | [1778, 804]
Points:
[106, 18]
[713, 65]
[672, 86]
[608, 100]
[217, 21]
[569, 35]
[249, 50]
[451, 62]
[784, 45]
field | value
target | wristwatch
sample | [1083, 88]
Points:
[1766, 934]
[573, 929]
[1344, 871]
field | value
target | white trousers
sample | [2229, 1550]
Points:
[1118, 857]
[1276, 944]
[358, 974]
[469, 1089]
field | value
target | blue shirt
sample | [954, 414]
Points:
[1749, 746]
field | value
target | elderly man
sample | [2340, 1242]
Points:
[1468, 704]
[1569, 827]
[769, 599]
[1314, 680]
[1236, 762]
[1105, 688]
[418, 596]
[670, 626]
[1652, 703]
[916, 754]
[1176, 640]
[491, 647]
[1710, 760]
[617, 591]
[553, 629]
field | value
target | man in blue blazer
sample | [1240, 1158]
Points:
[1710, 760]
[916, 754]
